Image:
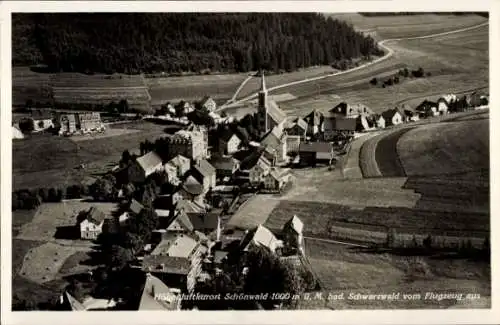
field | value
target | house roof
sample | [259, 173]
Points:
[346, 109]
[71, 117]
[205, 221]
[204, 168]
[257, 157]
[149, 161]
[314, 118]
[166, 264]
[176, 245]
[275, 112]
[135, 206]
[343, 124]
[425, 105]
[71, 302]
[260, 236]
[179, 161]
[224, 163]
[41, 115]
[389, 114]
[272, 138]
[154, 287]
[315, 147]
[192, 186]
[189, 207]
[95, 216]
[295, 223]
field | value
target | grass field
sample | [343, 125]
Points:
[445, 148]
[47, 159]
[386, 27]
[349, 271]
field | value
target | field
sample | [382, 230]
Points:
[347, 271]
[386, 27]
[46, 159]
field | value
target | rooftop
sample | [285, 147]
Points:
[176, 245]
[315, 147]
[204, 168]
[154, 287]
[192, 186]
[149, 161]
[95, 216]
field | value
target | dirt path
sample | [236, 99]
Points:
[243, 83]
[388, 54]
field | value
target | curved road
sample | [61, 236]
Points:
[389, 53]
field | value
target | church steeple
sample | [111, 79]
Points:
[263, 88]
[262, 109]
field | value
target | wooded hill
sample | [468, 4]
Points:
[456, 13]
[180, 42]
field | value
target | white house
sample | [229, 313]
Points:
[392, 117]
[380, 122]
[229, 143]
[259, 170]
[16, 133]
[144, 166]
[91, 226]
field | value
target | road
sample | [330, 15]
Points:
[243, 83]
[389, 52]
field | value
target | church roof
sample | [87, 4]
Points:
[275, 112]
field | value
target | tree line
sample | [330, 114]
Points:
[177, 42]
[455, 13]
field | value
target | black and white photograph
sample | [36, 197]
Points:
[243, 161]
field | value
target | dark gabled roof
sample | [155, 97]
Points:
[227, 134]
[205, 221]
[315, 147]
[249, 162]
[204, 168]
[389, 114]
[95, 216]
[192, 186]
[223, 163]
[272, 138]
[341, 109]
[184, 221]
[425, 104]
[343, 124]
[314, 118]
[135, 206]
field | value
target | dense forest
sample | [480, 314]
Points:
[456, 13]
[178, 42]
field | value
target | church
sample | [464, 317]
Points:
[269, 114]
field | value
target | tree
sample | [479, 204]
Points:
[120, 257]
[125, 157]
[123, 106]
[374, 81]
[26, 125]
[133, 242]
[102, 189]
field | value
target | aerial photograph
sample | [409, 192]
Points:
[250, 161]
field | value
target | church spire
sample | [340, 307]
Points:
[262, 83]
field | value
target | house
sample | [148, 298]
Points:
[190, 208]
[190, 144]
[157, 296]
[134, 209]
[70, 303]
[260, 237]
[346, 110]
[172, 174]
[335, 125]
[206, 223]
[191, 190]
[180, 223]
[427, 109]
[292, 234]
[181, 164]
[89, 121]
[203, 131]
[208, 103]
[298, 127]
[16, 133]
[393, 117]
[474, 99]
[205, 174]
[42, 121]
[363, 123]
[312, 153]
[275, 140]
[183, 108]
[269, 114]
[259, 170]
[228, 142]
[176, 261]
[315, 122]
[411, 116]
[292, 144]
[276, 179]
[445, 102]
[379, 121]
[225, 166]
[68, 124]
[143, 167]
[91, 227]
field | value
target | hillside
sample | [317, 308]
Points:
[166, 42]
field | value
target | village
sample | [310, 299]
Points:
[175, 195]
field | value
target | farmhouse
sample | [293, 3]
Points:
[176, 261]
[42, 121]
[269, 115]
[314, 122]
[181, 164]
[68, 124]
[276, 141]
[89, 121]
[379, 121]
[260, 237]
[444, 103]
[363, 123]
[144, 166]
[312, 153]
[181, 223]
[208, 103]
[292, 234]
[258, 170]
[157, 296]
[298, 127]
[276, 179]
[225, 166]
[335, 125]
[393, 117]
[190, 144]
[91, 226]
[344, 109]
[427, 109]
[205, 174]
[228, 143]
[191, 190]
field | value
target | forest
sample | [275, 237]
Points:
[183, 42]
[456, 13]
